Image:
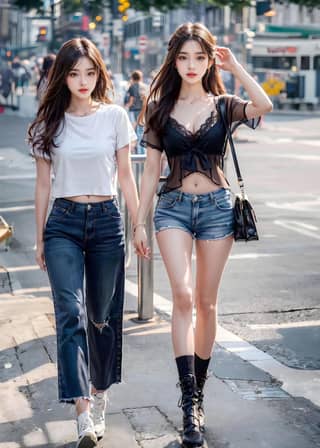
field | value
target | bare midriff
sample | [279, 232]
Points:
[197, 183]
[88, 198]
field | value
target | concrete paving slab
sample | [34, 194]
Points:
[15, 402]
[226, 365]
[119, 433]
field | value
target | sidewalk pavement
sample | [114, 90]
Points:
[245, 406]
[252, 401]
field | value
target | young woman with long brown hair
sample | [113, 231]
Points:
[183, 119]
[83, 139]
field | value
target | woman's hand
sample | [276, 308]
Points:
[225, 59]
[40, 256]
[140, 242]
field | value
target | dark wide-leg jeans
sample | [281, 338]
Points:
[86, 241]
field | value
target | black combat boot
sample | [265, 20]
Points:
[199, 402]
[191, 437]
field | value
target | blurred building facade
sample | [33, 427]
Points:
[130, 39]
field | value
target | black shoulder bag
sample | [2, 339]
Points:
[245, 228]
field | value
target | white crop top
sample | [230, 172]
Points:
[84, 163]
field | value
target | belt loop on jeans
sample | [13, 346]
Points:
[211, 195]
[104, 206]
[72, 206]
[180, 197]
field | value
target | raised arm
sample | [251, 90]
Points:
[42, 195]
[260, 103]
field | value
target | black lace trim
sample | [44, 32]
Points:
[203, 129]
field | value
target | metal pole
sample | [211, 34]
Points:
[145, 278]
[52, 18]
[144, 267]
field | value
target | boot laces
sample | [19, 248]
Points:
[188, 402]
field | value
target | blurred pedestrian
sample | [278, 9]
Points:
[44, 74]
[135, 96]
[183, 119]
[6, 79]
[21, 75]
[84, 140]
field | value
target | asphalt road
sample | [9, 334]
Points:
[270, 290]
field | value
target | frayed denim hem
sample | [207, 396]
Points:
[73, 400]
[216, 238]
[161, 229]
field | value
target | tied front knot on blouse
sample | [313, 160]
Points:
[201, 151]
[189, 162]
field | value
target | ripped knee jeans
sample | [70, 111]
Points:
[84, 254]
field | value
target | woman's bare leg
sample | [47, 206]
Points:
[176, 250]
[82, 405]
[211, 259]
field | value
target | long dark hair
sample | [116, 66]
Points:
[56, 100]
[165, 87]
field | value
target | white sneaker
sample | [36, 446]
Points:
[87, 437]
[98, 409]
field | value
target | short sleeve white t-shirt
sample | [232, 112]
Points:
[84, 163]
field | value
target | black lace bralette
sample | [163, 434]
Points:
[203, 129]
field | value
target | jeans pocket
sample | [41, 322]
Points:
[224, 203]
[58, 210]
[166, 201]
[113, 210]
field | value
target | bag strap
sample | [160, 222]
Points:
[223, 113]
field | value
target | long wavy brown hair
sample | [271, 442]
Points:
[56, 100]
[165, 87]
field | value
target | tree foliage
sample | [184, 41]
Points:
[91, 7]
[234, 4]
[27, 5]
[308, 3]
[94, 7]
[163, 5]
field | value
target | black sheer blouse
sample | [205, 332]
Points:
[202, 151]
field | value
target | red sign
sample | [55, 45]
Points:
[142, 43]
[85, 23]
[282, 50]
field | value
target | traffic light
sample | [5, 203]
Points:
[123, 5]
[42, 34]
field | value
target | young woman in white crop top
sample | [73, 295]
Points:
[83, 139]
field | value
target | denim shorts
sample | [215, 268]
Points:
[204, 216]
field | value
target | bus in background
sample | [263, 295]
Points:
[288, 69]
